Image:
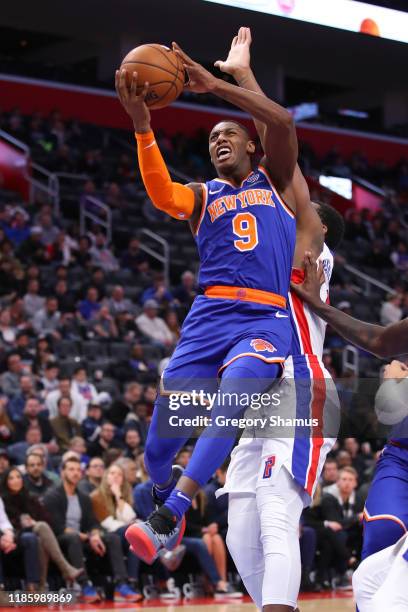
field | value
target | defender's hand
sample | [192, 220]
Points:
[239, 58]
[134, 104]
[395, 369]
[200, 80]
[309, 290]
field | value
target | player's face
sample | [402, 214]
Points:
[317, 208]
[229, 145]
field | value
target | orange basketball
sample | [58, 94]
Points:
[161, 68]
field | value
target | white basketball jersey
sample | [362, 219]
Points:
[308, 329]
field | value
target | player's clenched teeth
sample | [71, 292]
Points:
[223, 152]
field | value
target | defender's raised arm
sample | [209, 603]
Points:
[387, 341]
[280, 142]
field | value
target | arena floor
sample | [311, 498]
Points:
[313, 603]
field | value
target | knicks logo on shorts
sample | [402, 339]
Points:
[269, 463]
[262, 345]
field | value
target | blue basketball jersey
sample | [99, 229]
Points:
[246, 235]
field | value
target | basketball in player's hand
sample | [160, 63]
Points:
[161, 68]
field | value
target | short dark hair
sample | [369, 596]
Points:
[62, 398]
[334, 222]
[70, 459]
[238, 124]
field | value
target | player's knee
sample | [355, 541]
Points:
[380, 534]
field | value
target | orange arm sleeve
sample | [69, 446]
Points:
[173, 198]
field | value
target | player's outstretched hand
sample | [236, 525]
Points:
[396, 369]
[309, 290]
[238, 61]
[133, 103]
[199, 79]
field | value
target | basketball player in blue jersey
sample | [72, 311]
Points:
[386, 510]
[239, 330]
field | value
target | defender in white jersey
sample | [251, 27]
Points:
[270, 479]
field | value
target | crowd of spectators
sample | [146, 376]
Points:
[86, 329]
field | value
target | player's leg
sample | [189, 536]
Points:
[369, 576]
[246, 552]
[280, 506]
[386, 509]
[393, 593]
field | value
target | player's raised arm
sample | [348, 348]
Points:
[238, 65]
[280, 142]
[178, 201]
[383, 342]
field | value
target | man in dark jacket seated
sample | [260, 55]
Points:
[77, 529]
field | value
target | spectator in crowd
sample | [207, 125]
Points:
[138, 418]
[130, 469]
[136, 367]
[4, 461]
[124, 405]
[91, 426]
[49, 231]
[102, 256]
[342, 511]
[359, 461]
[30, 521]
[399, 257]
[83, 255]
[18, 230]
[149, 397]
[93, 476]
[333, 555]
[133, 256]
[10, 380]
[82, 387]
[153, 327]
[173, 324]
[8, 543]
[66, 298]
[36, 481]
[186, 292]
[26, 542]
[33, 416]
[63, 426]
[18, 450]
[133, 443]
[330, 473]
[159, 292]
[22, 346]
[105, 441]
[183, 457]
[32, 300]
[112, 506]
[98, 280]
[7, 331]
[117, 303]
[391, 311]
[78, 446]
[42, 450]
[77, 529]
[90, 305]
[203, 541]
[217, 508]
[46, 321]
[49, 381]
[103, 325]
[79, 404]
[6, 426]
[43, 355]
[32, 250]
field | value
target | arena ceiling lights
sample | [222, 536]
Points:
[342, 14]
